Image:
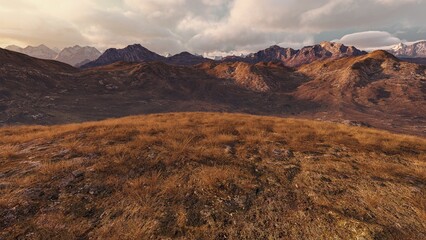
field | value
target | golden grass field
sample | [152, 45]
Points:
[210, 176]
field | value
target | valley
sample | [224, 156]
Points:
[374, 89]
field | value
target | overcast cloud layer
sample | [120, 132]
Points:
[210, 26]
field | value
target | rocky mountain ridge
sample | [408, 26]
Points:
[415, 50]
[294, 58]
[137, 53]
[288, 56]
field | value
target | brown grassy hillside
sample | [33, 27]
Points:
[210, 176]
[374, 90]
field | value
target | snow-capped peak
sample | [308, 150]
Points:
[398, 47]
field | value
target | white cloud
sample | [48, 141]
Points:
[370, 40]
[397, 2]
[202, 26]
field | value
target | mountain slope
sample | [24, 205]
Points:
[210, 176]
[375, 90]
[76, 55]
[375, 84]
[25, 82]
[261, 77]
[132, 53]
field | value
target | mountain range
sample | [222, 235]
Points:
[415, 50]
[86, 57]
[415, 53]
[294, 58]
[41, 51]
[138, 53]
[372, 89]
[289, 57]
[75, 56]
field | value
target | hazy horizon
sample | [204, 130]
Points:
[211, 27]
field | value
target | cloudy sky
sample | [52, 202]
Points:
[210, 27]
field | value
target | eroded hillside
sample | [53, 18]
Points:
[374, 90]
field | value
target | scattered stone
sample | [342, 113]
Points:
[229, 149]
[282, 154]
[326, 179]
[356, 123]
[78, 173]
[60, 155]
[62, 152]
[34, 193]
[3, 186]
[255, 158]
[152, 155]
[37, 116]
[292, 172]
[111, 87]
[100, 190]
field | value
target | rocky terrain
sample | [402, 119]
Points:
[210, 176]
[374, 90]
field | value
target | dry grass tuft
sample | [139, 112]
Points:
[210, 176]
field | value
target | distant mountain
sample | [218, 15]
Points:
[131, 53]
[288, 56]
[416, 50]
[40, 51]
[186, 58]
[74, 56]
[294, 58]
[14, 48]
[137, 53]
[77, 55]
